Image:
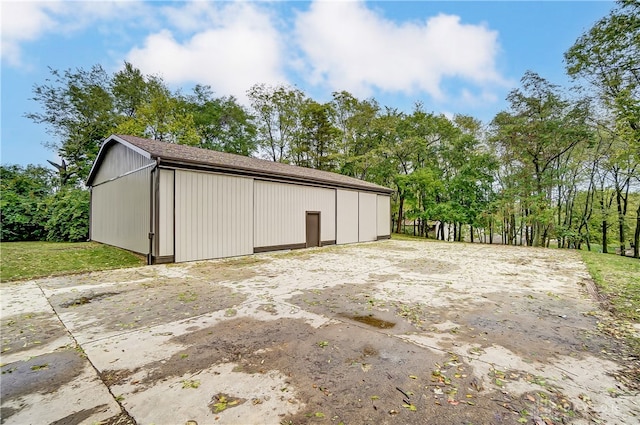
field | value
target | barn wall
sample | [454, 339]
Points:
[165, 213]
[120, 212]
[280, 210]
[347, 216]
[214, 216]
[117, 161]
[367, 211]
[384, 216]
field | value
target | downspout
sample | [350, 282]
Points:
[152, 211]
[90, 211]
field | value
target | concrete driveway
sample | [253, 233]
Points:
[390, 332]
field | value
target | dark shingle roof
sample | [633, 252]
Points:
[221, 161]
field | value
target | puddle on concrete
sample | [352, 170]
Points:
[371, 321]
[40, 374]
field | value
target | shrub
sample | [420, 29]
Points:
[24, 191]
[68, 216]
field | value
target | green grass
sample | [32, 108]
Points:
[27, 260]
[406, 237]
[618, 279]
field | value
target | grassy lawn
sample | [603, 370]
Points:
[618, 279]
[405, 237]
[27, 260]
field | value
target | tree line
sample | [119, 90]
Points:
[557, 166]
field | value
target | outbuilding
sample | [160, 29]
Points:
[178, 203]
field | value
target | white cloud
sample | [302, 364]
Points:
[350, 47]
[236, 46]
[26, 21]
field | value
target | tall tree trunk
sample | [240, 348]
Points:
[621, 223]
[400, 212]
[505, 227]
[636, 236]
[605, 249]
[490, 229]
[471, 232]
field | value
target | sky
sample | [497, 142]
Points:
[454, 57]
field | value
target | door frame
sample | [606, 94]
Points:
[306, 242]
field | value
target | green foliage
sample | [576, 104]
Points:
[28, 260]
[78, 109]
[535, 137]
[31, 210]
[23, 193]
[222, 123]
[608, 57]
[277, 114]
[68, 216]
[83, 107]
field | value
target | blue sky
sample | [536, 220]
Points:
[454, 56]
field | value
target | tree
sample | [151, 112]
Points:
[130, 90]
[222, 123]
[24, 191]
[315, 145]
[277, 113]
[357, 144]
[67, 215]
[540, 128]
[608, 58]
[78, 109]
[161, 115]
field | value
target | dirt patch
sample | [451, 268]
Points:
[24, 331]
[232, 270]
[345, 372]
[432, 266]
[129, 306]
[86, 299]
[78, 417]
[352, 302]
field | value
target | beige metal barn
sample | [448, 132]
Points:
[178, 203]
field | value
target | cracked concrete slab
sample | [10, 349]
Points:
[388, 332]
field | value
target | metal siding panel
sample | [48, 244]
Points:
[120, 212]
[347, 223]
[279, 214]
[384, 215]
[323, 200]
[165, 228]
[119, 160]
[367, 224]
[210, 208]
